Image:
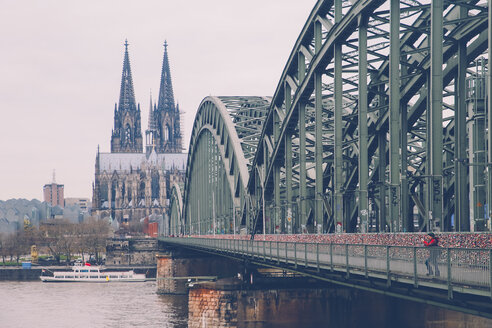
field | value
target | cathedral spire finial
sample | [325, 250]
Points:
[166, 95]
[150, 133]
[127, 94]
[152, 124]
[168, 135]
[127, 135]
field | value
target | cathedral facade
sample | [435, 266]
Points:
[131, 184]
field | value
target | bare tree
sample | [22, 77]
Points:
[57, 237]
[10, 247]
[3, 247]
[62, 237]
[136, 227]
[80, 244]
[31, 233]
[95, 234]
[21, 246]
[14, 246]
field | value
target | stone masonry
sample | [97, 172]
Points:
[174, 267]
[230, 305]
[212, 308]
[132, 252]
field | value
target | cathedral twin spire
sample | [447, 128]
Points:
[165, 127]
[166, 96]
[127, 132]
[163, 132]
[127, 94]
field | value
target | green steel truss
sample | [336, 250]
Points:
[176, 222]
[378, 123]
[224, 139]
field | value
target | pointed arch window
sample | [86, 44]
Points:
[166, 132]
[114, 187]
[155, 188]
[141, 194]
[128, 135]
[103, 193]
[130, 191]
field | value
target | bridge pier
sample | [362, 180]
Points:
[229, 303]
[176, 266]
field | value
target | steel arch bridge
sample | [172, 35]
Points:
[378, 123]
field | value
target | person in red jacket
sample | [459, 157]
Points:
[433, 243]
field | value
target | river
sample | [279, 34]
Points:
[74, 305]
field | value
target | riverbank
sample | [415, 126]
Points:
[16, 273]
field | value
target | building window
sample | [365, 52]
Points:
[155, 185]
[128, 135]
[166, 132]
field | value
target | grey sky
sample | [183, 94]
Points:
[61, 63]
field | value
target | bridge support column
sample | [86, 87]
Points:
[394, 114]
[301, 220]
[287, 215]
[175, 267]
[489, 123]
[434, 132]
[363, 134]
[318, 135]
[462, 203]
[228, 304]
[338, 167]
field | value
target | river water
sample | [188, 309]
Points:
[74, 305]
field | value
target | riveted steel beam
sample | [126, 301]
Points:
[363, 156]
[394, 112]
[462, 208]
[318, 98]
[435, 134]
[489, 113]
[338, 125]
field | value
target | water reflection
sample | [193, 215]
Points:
[176, 307]
[47, 305]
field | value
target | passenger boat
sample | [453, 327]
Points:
[88, 273]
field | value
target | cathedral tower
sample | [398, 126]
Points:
[127, 133]
[166, 122]
[151, 132]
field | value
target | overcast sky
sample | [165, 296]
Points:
[61, 64]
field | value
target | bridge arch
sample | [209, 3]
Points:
[330, 158]
[367, 129]
[223, 142]
[176, 224]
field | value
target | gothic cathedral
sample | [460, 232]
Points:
[131, 185]
[127, 134]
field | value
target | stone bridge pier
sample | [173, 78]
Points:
[176, 265]
[226, 304]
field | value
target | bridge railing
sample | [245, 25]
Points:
[454, 269]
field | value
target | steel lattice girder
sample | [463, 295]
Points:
[313, 55]
[323, 148]
[176, 204]
[223, 141]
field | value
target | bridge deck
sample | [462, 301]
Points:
[464, 271]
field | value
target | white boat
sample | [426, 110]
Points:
[88, 273]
